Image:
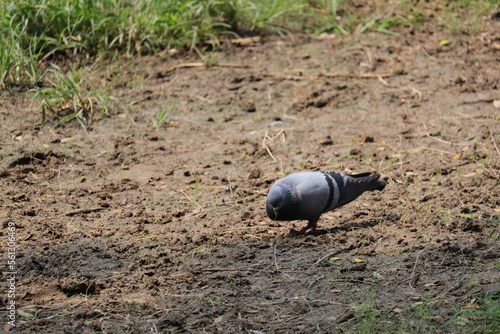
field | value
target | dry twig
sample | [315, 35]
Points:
[276, 263]
[281, 76]
[271, 139]
[404, 88]
[79, 211]
[191, 65]
[412, 276]
[495, 144]
[192, 201]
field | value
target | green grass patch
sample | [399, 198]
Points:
[72, 96]
[428, 316]
[35, 33]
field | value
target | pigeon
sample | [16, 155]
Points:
[307, 195]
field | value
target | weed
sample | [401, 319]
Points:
[426, 238]
[444, 215]
[71, 96]
[480, 317]
[161, 117]
[196, 185]
[474, 20]
[110, 26]
[18, 63]
[221, 298]
[369, 317]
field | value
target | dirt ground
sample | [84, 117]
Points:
[134, 228]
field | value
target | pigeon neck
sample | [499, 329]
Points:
[289, 199]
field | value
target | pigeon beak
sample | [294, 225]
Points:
[275, 210]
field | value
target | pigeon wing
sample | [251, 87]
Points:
[355, 185]
[312, 192]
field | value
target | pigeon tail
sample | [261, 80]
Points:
[379, 185]
[358, 184]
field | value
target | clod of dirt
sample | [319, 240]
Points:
[33, 158]
[72, 286]
[327, 141]
[20, 198]
[255, 174]
[367, 139]
[30, 212]
[250, 107]
[470, 225]
[86, 314]
[320, 103]
[174, 319]
[393, 217]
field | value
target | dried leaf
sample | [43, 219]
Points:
[25, 314]
[333, 259]
[473, 306]
[357, 260]
[444, 42]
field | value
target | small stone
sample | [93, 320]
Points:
[367, 139]
[327, 141]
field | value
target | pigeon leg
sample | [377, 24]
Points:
[311, 227]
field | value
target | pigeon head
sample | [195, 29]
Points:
[279, 201]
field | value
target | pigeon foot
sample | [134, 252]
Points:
[305, 231]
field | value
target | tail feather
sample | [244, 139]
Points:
[379, 184]
[358, 185]
[357, 176]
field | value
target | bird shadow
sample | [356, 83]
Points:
[345, 228]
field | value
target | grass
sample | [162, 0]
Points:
[39, 32]
[72, 96]
[429, 315]
[434, 309]
[19, 61]
[162, 117]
